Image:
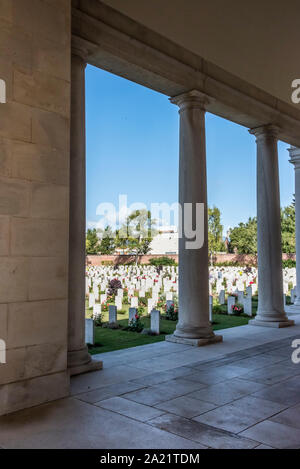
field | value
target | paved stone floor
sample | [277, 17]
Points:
[242, 393]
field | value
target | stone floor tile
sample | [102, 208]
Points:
[161, 377]
[226, 391]
[130, 409]
[164, 391]
[203, 434]
[274, 434]
[263, 447]
[215, 375]
[73, 424]
[185, 406]
[290, 417]
[240, 414]
[257, 362]
[286, 392]
[271, 374]
[97, 379]
[109, 391]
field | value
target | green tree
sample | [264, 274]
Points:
[107, 244]
[92, 242]
[136, 234]
[215, 232]
[243, 238]
[288, 228]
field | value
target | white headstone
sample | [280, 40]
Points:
[132, 314]
[247, 302]
[155, 321]
[89, 331]
[134, 302]
[91, 300]
[112, 314]
[96, 310]
[222, 297]
[230, 303]
[210, 308]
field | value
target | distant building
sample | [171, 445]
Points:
[166, 242]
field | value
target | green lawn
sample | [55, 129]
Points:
[117, 339]
[108, 340]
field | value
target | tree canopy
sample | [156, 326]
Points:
[92, 241]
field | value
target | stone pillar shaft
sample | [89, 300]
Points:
[193, 324]
[79, 360]
[270, 280]
[295, 160]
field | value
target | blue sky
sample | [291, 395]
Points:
[132, 148]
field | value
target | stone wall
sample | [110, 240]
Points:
[242, 259]
[34, 176]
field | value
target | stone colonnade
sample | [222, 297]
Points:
[193, 326]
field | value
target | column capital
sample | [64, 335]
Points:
[78, 55]
[191, 100]
[294, 156]
[265, 131]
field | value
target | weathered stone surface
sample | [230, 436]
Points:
[39, 163]
[47, 278]
[36, 323]
[50, 129]
[14, 279]
[20, 115]
[42, 91]
[33, 237]
[3, 322]
[4, 236]
[49, 201]
[28, 393]
[14, 197]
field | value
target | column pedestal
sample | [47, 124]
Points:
[194, 327]
[79, 360]
[270, 312]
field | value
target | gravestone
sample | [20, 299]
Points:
[169, 304]
[134, 302]
[112, 314]
[150, 305]
[240, 294]
[89, 331]
[247, 303]
[210, 308]
[118, 302]
[222, 297]
[96, 310]
[230, 303]
[132, 314]
[155, 321]
[91, 300]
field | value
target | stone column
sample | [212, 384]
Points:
[193, 326]
[270, 280]
[79, 360]
[295, 160]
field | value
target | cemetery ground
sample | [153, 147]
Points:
[108, 339]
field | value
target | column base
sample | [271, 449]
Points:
[80, 361]
[194, 342]
[275, 324]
